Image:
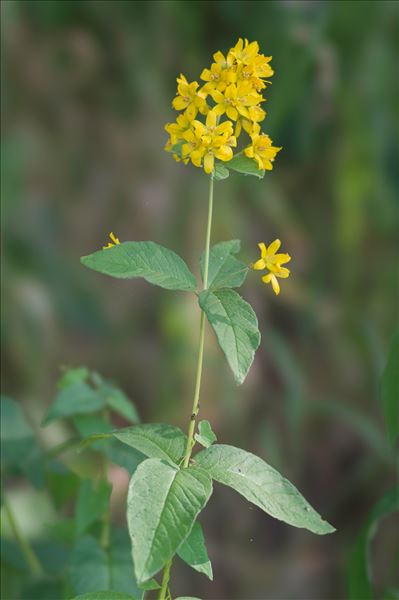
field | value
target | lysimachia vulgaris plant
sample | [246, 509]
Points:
[172, 485]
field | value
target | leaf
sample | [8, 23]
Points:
[162, 506]
[19, 450]
[390, 391]
[236, 328]
[156, 264]
[93, 569]
[358, 572]
[118, 401]
[155, 440]
[16, 434]
[245, 165]
[99, 433]
[91, 504]
[71, 376]
[151, 584]
[104, 595]
[77, 398]
[205, 435]
[193, 552]
[220, 172]
[225, 271]
[262, 485]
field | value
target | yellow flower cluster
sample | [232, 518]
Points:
[230, 101]
[272, 262]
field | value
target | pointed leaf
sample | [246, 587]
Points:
[236, 328]
[225, 271]
[390, 391]
[93, 569]
[156, 264]
[193, 552]
[155, 440]
[245, 165]
[91, 504]
[262, 485]
[118, 401]
[77, 398]
[163, 503]
[205, 435]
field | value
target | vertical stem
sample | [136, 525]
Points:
[195, 409]
[106, 517]
[26, 548]
[165, 581]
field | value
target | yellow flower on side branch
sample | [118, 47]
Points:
[114, 241]
[271, 261]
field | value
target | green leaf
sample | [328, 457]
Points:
[358, 573]
[262, 485]
[225, 271]
[188, 598]
[220, 172]
[151, 584]
[93, 569]
[77, 398]
[98, 433]
[236, 328]
[390, 390]
[16, 434]
[245, 165]
[71, 376]
[162, 506]
[155, 440]
[104, 595]
[91, 504]
[205, 435]
[118, 401]
[156, 264]
[193, 552]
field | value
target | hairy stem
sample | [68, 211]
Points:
[195, 409]
[26, 549]
[165, 581]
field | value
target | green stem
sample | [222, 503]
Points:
[195, 409]
[106, 518]
[165, 581]
[26, 549]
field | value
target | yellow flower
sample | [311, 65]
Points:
[272, 261]
[114, 241]
[190, 98]
[215, 141]
[231, 95]
[261, 149]
[244, 52]
[236, 100]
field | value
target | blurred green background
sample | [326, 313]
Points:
[87, 89]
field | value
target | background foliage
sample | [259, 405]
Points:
[86, 93]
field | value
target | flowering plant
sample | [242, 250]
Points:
[171, 485]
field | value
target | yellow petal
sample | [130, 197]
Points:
[224, 153]
[263, 250]
[259, 265]
[275, 284]
[209, 160]
[232, 112]
[114, 238]
[180, 103]
[283, 273]
[211, 119]
[281, 258]
[191, 112]
[267, 278]
[274, 246]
